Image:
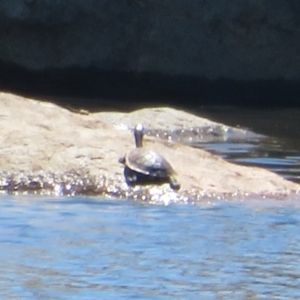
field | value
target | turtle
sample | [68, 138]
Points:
[146, 166]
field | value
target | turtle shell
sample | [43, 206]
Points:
[148, 162]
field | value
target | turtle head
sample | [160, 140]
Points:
[138, 135]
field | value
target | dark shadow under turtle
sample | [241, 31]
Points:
[146, 166]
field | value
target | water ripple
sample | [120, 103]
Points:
[84, 248]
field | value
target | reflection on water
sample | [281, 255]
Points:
[81, 248]
[279, 151]
[268, 153]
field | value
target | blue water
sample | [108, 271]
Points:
[85, 248]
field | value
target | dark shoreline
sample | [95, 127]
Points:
[94, 89]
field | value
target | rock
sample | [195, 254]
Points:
[181, 126]
[248, 49]
[50, 150]
[245, 41]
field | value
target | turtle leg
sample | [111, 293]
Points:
[122, 160]
[130, 176]
[174, 183]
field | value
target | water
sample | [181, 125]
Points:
[279, 151]
[84, 248]
[88, 248]
[268, 153]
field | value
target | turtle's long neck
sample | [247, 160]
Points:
[138, 135]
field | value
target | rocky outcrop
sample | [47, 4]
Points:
[50, 150]
[246, 40]
[185, 48]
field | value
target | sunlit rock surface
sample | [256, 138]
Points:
[50, 150]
